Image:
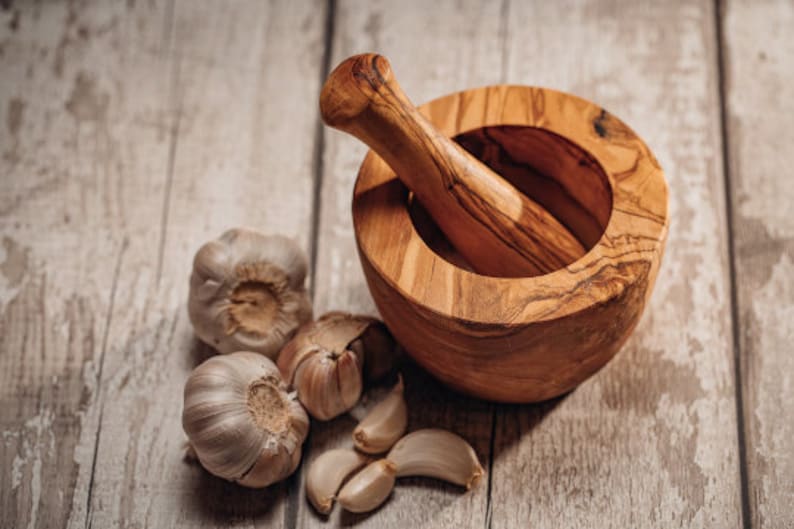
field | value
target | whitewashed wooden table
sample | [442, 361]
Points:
[132, 132]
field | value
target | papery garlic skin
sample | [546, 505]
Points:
[327, 473]
[247, 292]
[240, 420]
[319, 363]
[384, 424]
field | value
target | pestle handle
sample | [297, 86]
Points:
[499, 230]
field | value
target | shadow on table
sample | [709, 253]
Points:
[433, 405]
[223, 502]
[199, 352]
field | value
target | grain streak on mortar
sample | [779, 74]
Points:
[759, 81]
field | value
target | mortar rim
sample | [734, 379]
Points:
[607, 136]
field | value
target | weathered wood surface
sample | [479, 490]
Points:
[144, 130]
[241, 153]
[132, 132]
[68, 207]
[759, 102]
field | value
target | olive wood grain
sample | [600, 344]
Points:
[529, 338]
[499, 230]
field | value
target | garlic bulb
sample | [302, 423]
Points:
[247, 292]
[325, 359]
[242, 424]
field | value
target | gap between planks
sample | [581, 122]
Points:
[295, 482]
[741, 430]
[98, 385]
[319, 145]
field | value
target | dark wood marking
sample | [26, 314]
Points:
[598, 124]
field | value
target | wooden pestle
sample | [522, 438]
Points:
[500, 231]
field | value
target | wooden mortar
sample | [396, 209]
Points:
[531, 338]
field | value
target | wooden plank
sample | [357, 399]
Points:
[649, 441]
[434, 48]
[70, 189]
[239, 92]
[759, 86]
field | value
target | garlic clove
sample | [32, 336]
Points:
[327, 473]
[328, 384]
[320, 364]
[299, 422]
[332, 332]
[241, 422]
[339, 331]
[437, 454]
[298, 350]
[368, 489]
[247, 292]
[384, 424]
[268, 470]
